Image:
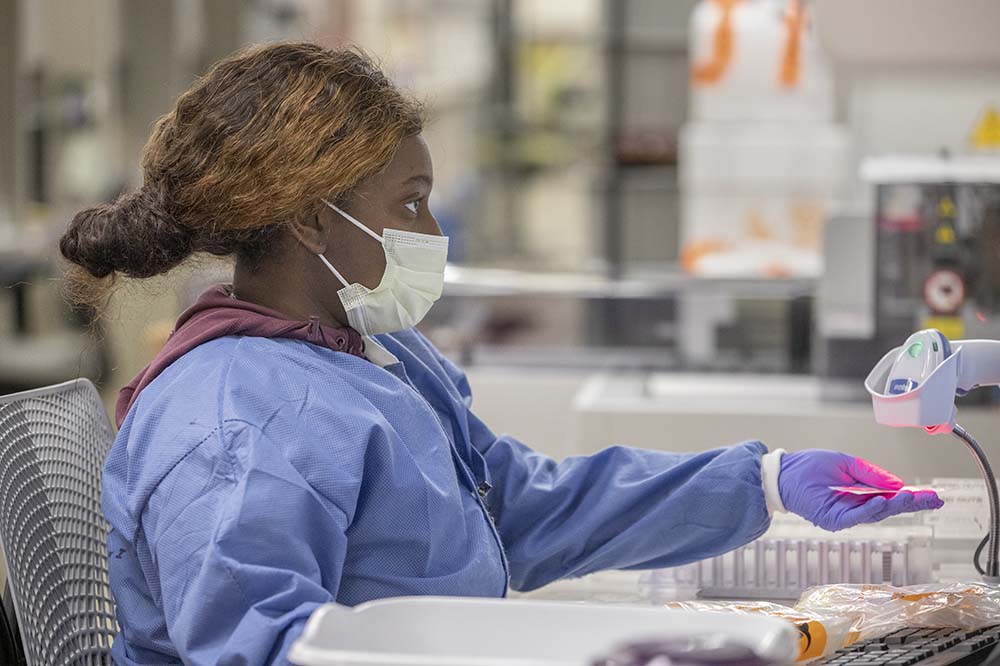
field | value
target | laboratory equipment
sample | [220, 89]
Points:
[794, 556]
[925, 258]
[915, 385]
[453, 631]
[937, 222]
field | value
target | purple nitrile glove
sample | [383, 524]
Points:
[804, 484]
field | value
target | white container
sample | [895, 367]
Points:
[789, 159]
[439, 631]
[762, 165]
[755, 196]
[749, 85]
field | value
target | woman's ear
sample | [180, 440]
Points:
[312, 229]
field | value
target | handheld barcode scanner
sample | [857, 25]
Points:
[915, 386]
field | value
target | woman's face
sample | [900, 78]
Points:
[397, 198]
[297, 283]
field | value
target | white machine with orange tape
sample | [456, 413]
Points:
[762, 164]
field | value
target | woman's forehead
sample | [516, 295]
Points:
[412, 161]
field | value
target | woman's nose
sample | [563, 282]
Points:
[431, 225]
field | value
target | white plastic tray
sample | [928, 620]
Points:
[440, 631]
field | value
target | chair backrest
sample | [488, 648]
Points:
[53, 442]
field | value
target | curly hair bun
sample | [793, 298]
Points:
[134, 236]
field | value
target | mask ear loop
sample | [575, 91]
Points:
[353, 220]
[334, 270]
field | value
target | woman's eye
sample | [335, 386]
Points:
[413, 206]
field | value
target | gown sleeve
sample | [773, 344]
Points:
[621, 508]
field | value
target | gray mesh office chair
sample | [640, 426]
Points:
[53, 442]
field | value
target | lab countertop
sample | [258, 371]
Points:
[480, 282]
[681, 412]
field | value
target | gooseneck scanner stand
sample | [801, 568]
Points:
[915, 386]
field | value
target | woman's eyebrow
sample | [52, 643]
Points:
[419, 178]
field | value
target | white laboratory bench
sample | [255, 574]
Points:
[564, 412]
[680, 412]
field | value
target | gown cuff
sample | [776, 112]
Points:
[770, 468]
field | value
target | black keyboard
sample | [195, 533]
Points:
[923, 647]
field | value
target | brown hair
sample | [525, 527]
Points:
[253, 144]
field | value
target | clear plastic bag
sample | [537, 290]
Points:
[830, 617]
[877, 610]
[821, 633]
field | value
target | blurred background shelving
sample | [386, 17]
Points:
[553, 127]
[556, 133]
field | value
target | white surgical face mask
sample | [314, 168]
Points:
[412, 282]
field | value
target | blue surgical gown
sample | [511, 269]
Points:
[256, 479]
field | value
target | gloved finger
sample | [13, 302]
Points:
[866, 512]
[872, 475]
[927, 499]
[879, 508]
[904, 502]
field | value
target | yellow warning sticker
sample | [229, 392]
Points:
[986, 135]
[944, 235]
[946, 207]
[953, 328]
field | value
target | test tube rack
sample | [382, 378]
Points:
[782, 568]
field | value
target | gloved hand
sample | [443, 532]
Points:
[804, 484]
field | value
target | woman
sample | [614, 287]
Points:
[296, 442]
